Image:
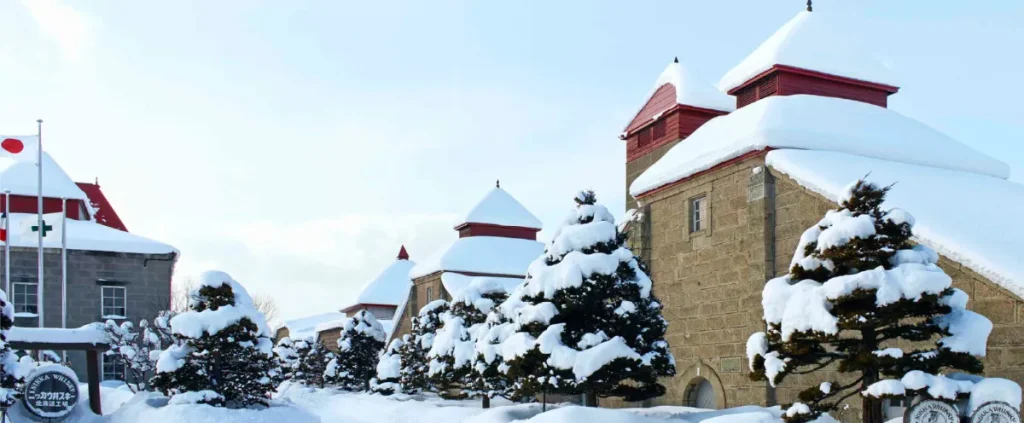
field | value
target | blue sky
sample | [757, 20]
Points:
[297, 144]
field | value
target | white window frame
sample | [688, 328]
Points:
[697, 211]
[429, 291]
[103, 368]
[34, 291]
[103, 297]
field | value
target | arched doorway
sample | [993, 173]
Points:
[700, 394]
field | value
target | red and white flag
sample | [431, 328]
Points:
[19, 147]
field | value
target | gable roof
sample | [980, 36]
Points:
[499, 208]
[389, 287]
[968, 217]
[104, 212]
[691, 90]
[814, 41]
[814, 123]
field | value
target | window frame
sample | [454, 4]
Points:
[697, 216]
[108, 361]
[103, 305]
[34, 292]
[429, 292]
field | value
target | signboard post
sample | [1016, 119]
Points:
[932, 411]
[51, 394]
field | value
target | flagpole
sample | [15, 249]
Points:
[7, 243]
[64, 263]
[39, 204]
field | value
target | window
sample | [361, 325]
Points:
[113, 302]
[429, 296]
[659, 130]
[698, 214]
[113, 368]
[644, 137]
[26, 298]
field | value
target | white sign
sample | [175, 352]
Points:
[931, 411]
[996, 412]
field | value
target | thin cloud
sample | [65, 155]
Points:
[70, 29]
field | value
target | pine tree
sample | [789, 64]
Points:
[453, 352]
[11, 378]
[313, 359]
[225, 355]
[489, 369]
[586, 320]
[389, 369]
[362, 339]
[857, 286]
[415, 364]
[287, 356]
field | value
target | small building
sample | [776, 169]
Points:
[497, 239]
[725, 198]
[304, 327]
[112, 274]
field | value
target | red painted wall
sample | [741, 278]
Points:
[679, 123]
[481, 229]
[105, 213]
[787, 80]
[26, 204]
[662, 99]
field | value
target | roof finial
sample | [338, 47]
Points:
[497, 183]
[809, 8]
[676, 60]
[97, 183]
[402, 254]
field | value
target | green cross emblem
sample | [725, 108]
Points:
[46, 228]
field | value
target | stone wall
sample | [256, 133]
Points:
[330, 338]
[146, 278]
[418, 299]
[638, 166]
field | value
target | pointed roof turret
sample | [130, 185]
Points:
[498, 208]
[814, 42]
[389, 288]
[402, 254]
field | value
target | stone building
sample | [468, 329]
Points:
[112, 274]
[497, 239]
[725, 195]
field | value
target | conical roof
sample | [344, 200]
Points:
[813, 41]
[391, 286]
[499, 208]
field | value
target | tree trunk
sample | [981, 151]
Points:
[544, 401]
[486, 402]
[591, 399]
[872, 410]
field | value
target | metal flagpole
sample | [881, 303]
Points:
[64, 263]
[7, 246]
[39, 203]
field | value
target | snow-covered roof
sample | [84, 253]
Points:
[390, 287]
[968, 217]
[814, 41]
[482, 254]
[307, 327]
[691, 90]
[815, 123]
[455, 282]
[21, 178]
[88, 334]
[83, 235]
[499, 208]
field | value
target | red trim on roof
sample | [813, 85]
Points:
[731, 161]
[105, 213]
[832, 77]
[665, 114]
[364, 305]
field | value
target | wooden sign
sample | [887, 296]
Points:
[996, 412]
[51, 394]
[932, 411]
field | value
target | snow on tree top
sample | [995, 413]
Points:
[482, 254]
[499, 208]
[307, 327]
[390, 286]
[817, 41]
[692, 90]
[193, 323]
[364, 322]
[971, 221]
[470, 288]
[815, 123]
[21, 178]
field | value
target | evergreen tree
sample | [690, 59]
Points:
[11, 378]
[586, 320]
[489, 369]
[857, 286]
[362, 339]
[389, 369]
[287, 356]
[413, 351]
[224, 356]
[313, 359]
[453, 352]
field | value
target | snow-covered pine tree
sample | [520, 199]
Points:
[389, 369]
[11, 378]
[453, 353]
[362, 339]
[489, 369]
[857, 286]
[415, 364]
[287, 356]
[586, 320]
[313, 358]
[225, 355]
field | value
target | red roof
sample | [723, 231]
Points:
[105, 213]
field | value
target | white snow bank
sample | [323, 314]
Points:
[154, 408]
[815, 123]
[820, 41]
[499, 208]
[482, 254]
[389, 287]
[964, 216]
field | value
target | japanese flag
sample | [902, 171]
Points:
[19, 147]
